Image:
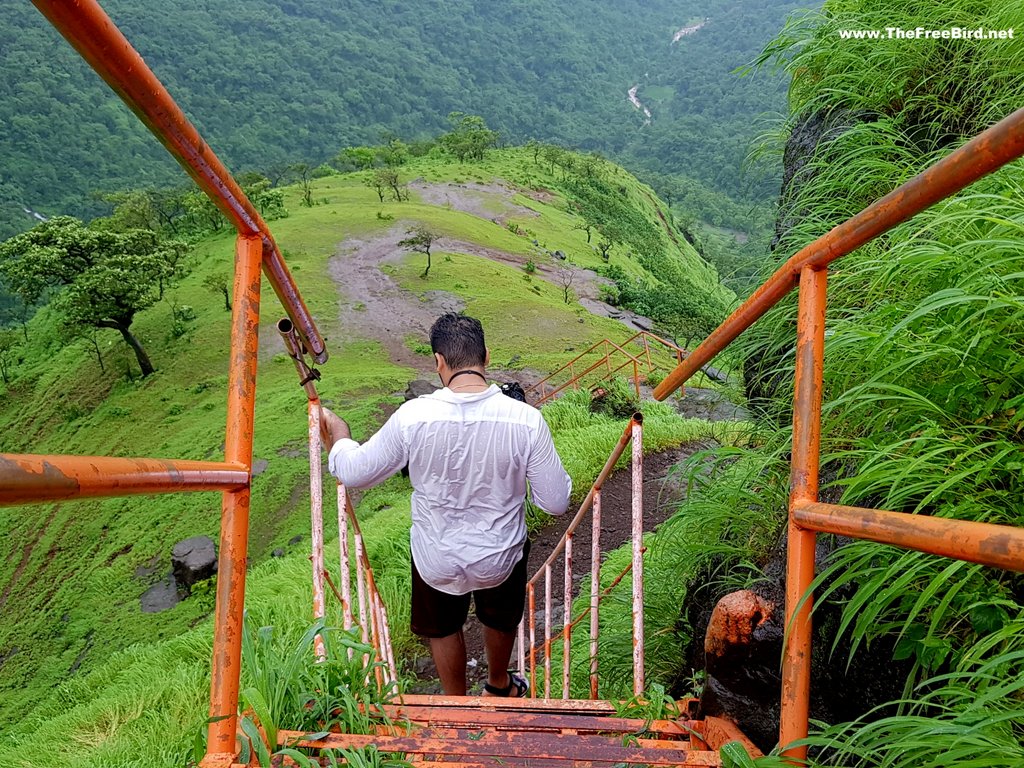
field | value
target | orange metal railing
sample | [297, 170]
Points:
[30, 479]
[996, 545]
[372, 616]
[611, 353]
[633, 433]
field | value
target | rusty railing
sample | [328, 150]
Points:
[546, 389]
[33, 479]
[995, 545]
[372, 616]
[633, 433]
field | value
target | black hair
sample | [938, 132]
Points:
[460, 339]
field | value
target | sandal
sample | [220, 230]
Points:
[520, 684]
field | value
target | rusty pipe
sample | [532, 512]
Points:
[609, 466]
[29, 478]
[796, 657]
[85, 25]
[297, 352]
[998, 546]
[234, 526]
[637, 559]
[986, 152]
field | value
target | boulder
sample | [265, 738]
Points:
[418, 388]
[192, 561]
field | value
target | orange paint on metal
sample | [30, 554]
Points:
[733, 621]
[234, 529]
[567, 586]
[796, 659]
[468, 717]
[532, 746]
[485, 703]
[29, 478]
[97, 39]
[595, 589]
[719, 731]
[1000, 546]
[985, 153]
[316, 521]
[646, 337]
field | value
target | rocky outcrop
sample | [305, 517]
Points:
[741, 650]
[192, 561]
[763, 378]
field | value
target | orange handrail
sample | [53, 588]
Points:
[98, 40]
[995, 545]
[638, 362]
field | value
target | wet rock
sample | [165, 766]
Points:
[192, 561]
[418, 388]
[160, 596]
[710, 405]
[742, 648]
[743, 645]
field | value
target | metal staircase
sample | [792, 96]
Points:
[485, 731]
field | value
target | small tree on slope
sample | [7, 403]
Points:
[98, 278]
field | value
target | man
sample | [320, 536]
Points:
[471, 451]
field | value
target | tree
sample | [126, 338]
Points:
[394, 153]
[8, 345]
[469, 138]
[420, 240]
[356, 158]
[377, 182]
[218, 283]
[99, 278]
[305, 174]
[566, 275]
[387, 180]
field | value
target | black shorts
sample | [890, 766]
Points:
[438, 614]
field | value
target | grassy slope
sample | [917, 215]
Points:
[69, 584]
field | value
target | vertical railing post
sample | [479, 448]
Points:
[316, 522]
[638, 562]
[547, 631]
[567, 616]
[595, 588]
[531, 606]
[234, 526]
[345, 561]
[796, 662]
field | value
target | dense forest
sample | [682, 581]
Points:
[271, 83]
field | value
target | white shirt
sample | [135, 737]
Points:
[470, 457]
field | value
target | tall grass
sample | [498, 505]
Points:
[924, 370]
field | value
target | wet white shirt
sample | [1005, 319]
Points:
[470, 457]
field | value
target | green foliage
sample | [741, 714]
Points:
[420, 240]
[469, 138]
[102, 278]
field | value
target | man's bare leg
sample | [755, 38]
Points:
[498, 646]
[450, 659]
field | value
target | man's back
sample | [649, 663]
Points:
[470, 457]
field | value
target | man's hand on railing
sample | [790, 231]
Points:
[332, 428]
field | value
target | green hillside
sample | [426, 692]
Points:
[72, 581]
[323, 76]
